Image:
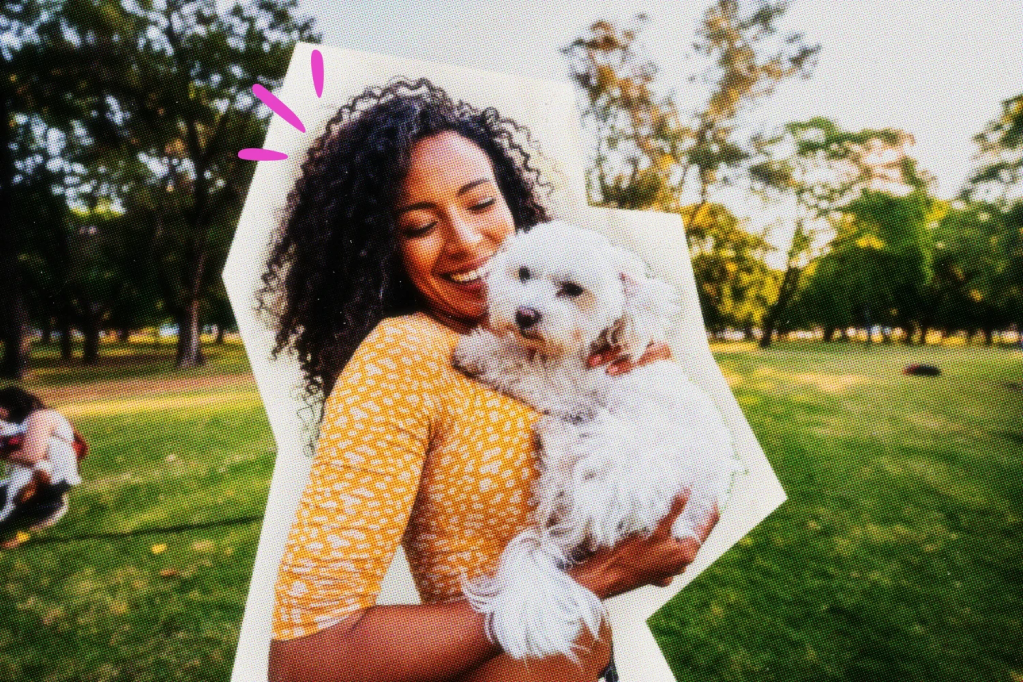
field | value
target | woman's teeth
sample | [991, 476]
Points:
[466, 277]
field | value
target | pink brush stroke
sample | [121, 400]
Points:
[317, 66]
[277, 106]
[256, 154]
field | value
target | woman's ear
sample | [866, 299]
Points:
[649, 305]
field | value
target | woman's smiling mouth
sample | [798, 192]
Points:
[468, 277]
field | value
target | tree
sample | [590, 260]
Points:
[979, 268]
[998, 178]
[728, 263]
[980, 242]
[18, 21]
[815, 169]
[647, 151]
[175, 74]
[879, 262]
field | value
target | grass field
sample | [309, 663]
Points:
[897, 555]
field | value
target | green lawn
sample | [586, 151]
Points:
[896, 556]
[177, 459]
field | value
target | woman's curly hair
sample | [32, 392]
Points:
[335, 270]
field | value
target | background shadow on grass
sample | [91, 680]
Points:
[147, 531]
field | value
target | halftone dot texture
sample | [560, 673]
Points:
[413, 452]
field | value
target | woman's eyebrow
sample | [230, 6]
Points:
[465, 188]
[429, 204]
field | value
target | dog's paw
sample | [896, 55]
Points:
[471, 353]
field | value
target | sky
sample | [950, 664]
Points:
[930, 67]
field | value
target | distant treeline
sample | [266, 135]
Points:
[853, 235]
[120, 185]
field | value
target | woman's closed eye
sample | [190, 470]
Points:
[413, 231]
[483, 204]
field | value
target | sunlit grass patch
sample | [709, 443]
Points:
[183, 463]
[896, 556]
[897, 553]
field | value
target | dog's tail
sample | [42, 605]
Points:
[533, 608]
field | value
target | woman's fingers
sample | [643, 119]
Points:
[686, 549]
[654, 352]
[704, 529]
[677, 505]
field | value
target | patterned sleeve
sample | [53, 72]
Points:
[363, 483]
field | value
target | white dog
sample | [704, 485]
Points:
[616, 450]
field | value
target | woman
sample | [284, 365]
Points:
[377, 271]
[46, 461]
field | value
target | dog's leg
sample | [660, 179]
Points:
[533, 608]
[480, 354]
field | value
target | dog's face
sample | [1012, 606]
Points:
[561, 290]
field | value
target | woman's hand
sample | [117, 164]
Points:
[642, 560]
[619, 365]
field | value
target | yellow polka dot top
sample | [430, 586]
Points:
[411, 451]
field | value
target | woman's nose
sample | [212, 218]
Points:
[464, 235]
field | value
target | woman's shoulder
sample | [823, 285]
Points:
[409, 355]
[416, 335]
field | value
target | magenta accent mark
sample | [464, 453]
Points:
[317, 66]
[256, 154]
[277, 106]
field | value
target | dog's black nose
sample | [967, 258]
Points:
[526, 318]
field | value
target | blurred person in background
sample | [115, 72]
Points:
[38, 445]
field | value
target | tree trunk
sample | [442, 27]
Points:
[90, 332]
[989, 336]
[189, 352]
[12, 304]
[220, 335]
[829, 333]
[922, 338]
[64, 327]
[15, 348]
[124, 334]
[786, 291]
[47, 330]
[908, 332]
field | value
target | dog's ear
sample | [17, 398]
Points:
[649, 306]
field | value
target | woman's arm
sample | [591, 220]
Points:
[363, 484]
[388, 644]
[640, 560]
[435, 642]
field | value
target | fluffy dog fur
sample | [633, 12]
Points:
[616, 450]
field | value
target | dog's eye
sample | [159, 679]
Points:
[570, 289]
[523, 274]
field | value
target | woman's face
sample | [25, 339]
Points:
[451, 218]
